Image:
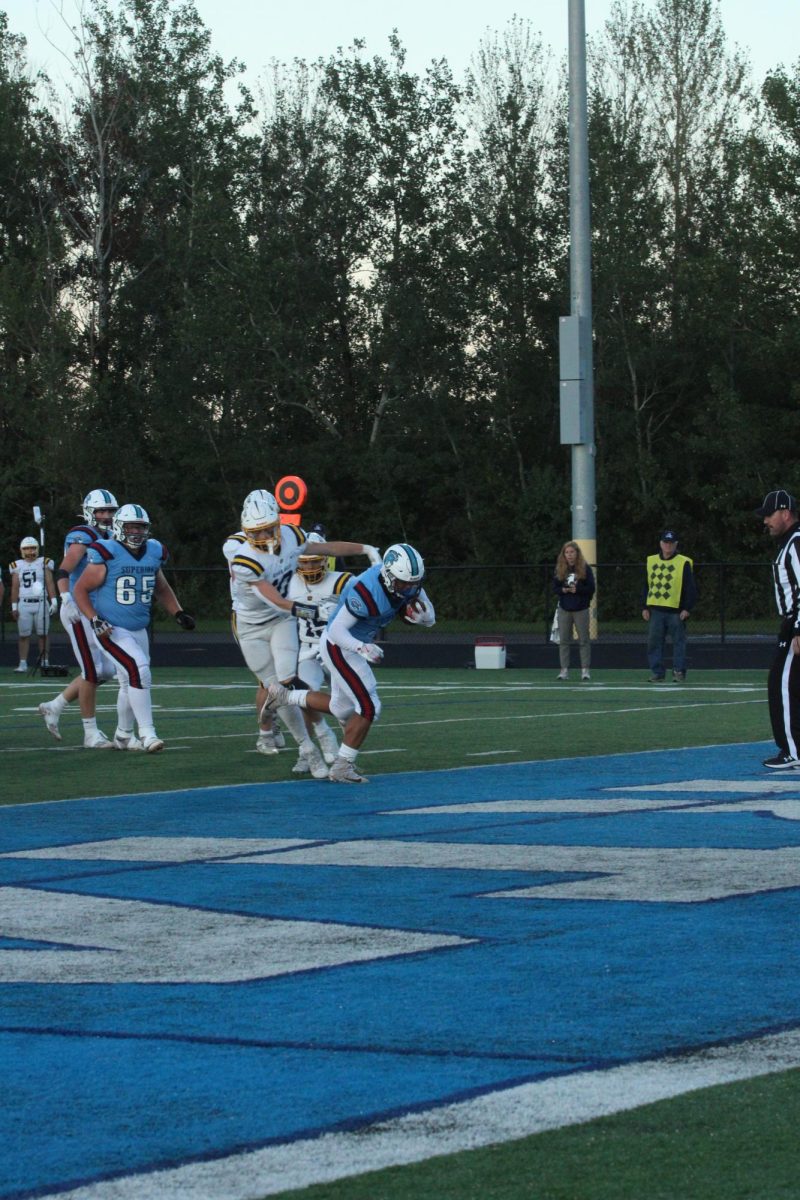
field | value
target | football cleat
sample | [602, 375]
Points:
[266, 743]
[316, 763]
[327, 743]
[50, 719]
[301, 767]
[152, 745]
[22, 669]
[343, 771]
[277, 696]
[126, 740]
[280, 740]
[96, 741]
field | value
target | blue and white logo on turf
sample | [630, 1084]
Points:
[191, 977]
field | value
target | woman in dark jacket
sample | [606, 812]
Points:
[574, 585]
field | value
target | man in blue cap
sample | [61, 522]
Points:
[669, 596]
[779, 514]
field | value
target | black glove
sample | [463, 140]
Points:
[309, 612]
[185, 619]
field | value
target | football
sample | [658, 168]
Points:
[417, 612]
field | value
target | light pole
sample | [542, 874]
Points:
[575, 331]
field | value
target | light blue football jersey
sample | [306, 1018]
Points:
[86, 535]
[366, 598]
[125, 597]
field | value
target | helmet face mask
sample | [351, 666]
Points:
[261, 521]
[312, 567]
[402, 571]
[98, 509]
[131, 526]
[29, 549]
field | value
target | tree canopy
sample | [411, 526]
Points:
[357, 279]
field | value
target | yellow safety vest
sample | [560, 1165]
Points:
[665, 580]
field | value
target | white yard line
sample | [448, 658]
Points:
[499, 1116]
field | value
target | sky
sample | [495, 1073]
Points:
[257, 31]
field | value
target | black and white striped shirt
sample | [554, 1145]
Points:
[786, 576]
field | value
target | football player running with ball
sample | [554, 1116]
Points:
[368, 603]
[115, 593]
[262, 559]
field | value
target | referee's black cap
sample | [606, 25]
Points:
[775, 501]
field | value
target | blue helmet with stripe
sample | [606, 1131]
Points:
[402, 571]
[97, 500]
[131, 526]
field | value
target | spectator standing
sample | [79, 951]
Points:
[779, 513]
[574, 585]
[670, 594]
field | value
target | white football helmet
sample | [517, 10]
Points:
[261, 521]
[131, 526]
[99, 498]
[403, 571]
[312, 567]
[29, 549]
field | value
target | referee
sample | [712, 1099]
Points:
[779, 512]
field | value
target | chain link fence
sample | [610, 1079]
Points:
[735, 599]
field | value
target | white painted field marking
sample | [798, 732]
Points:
[158, 849]
[787, 809]
[656, 875]
[770, 783]
[500, 1116]
[130, 941]
[660, 875]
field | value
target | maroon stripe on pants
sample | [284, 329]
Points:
[353, 681]
[128, 664]
[87, 662]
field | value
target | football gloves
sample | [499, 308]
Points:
[100, 628]
[70, 613]
[185, 619]
[308, 612]
[372, 653]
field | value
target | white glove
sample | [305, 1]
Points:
[53, 606]
[70, 613]
[327, 605]
[372, 653]
[373, 554]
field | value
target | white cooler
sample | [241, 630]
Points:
[490, 653]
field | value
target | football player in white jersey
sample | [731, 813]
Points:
[262, 558]
[312, 583]
[33, 599]
[368, 603]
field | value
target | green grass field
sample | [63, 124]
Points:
[722, 1143]
[432, 719]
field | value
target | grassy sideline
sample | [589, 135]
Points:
[722, 1143]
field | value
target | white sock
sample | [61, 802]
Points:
[294, 722]
[348, 752]
[90, 724]
[59, 704]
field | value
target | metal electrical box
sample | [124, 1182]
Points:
[573, 333]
